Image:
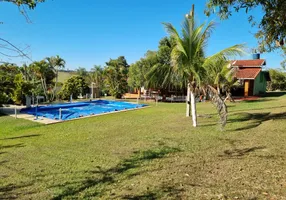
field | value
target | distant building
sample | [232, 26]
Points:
[251, 75]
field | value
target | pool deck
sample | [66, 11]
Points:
[10, 110]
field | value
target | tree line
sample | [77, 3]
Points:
[40, 78]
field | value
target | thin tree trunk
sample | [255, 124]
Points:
[46, 89]
[43, 85]
[55, 87]
[194, 109]
[188, 109]
[218, 89]
[229, 97]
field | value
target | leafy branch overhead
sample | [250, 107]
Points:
[30, 3]
[272, 26]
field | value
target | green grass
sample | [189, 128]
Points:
[153, 153]
[63, 76]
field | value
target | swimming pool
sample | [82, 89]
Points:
[69, 111]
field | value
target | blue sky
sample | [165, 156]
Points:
[90, 32]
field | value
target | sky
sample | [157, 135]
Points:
[90, 32]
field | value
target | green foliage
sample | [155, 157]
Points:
[7, 85]
[30, 3]
[96, 77]
[74, 86]
[219, 75]
[137, 75]
[278, 80]
[45, 75]
[160, 75]
[15, 83]
[115, 76]
[188, 59]
[55, 64]
[22, 88]
[271, 28]
[3, 98]
[81, 71]
[188, 54]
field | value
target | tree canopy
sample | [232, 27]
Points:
[115, 74]
[271, 28]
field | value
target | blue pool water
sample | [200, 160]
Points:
[79, 109]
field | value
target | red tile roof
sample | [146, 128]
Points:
[248, 63]
[247, 73]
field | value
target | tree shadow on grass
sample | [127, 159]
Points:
[111, 175]
[20, 137]
[258, 100]
[161, 192]
[240, 152]
[12, 146]
[236, 152]
[4, 147]
[8, 191]
[274, 94]
[251, 109]
[255, 119]
[149, 195]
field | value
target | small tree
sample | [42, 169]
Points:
[74, 86]
[55, 63]
[115, 76]
[22, 88]
[96, 77]
[7, 85]
[45, 74]
[278, 80]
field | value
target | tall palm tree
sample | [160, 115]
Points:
[55, 63]
[188, 56]
[96, 77]
[40, 69]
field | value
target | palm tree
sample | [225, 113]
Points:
[40, 69]
[55, 63]
[96, 77]
[188, 56]
[217, 73]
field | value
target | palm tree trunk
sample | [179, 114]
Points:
[188, 109]
[194, 109]
[55, 87]
[44, 89]
[229, 97]
[218, 89]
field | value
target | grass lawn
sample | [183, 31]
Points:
[153, 153]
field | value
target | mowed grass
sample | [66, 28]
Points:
[152, 153]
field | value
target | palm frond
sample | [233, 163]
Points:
[235, 50]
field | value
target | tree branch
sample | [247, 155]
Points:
[16, 49]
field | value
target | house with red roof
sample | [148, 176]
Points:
[252, 77]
